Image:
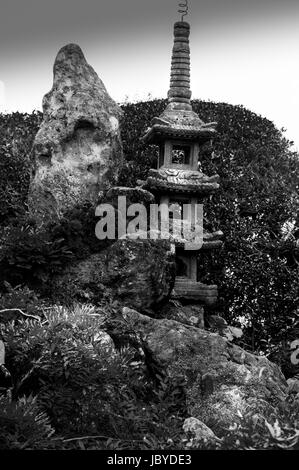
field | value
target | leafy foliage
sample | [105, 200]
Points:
[77, 228]
[30, 256]
[20, 298]
[86, 387]
[17, 131]
[279, 431]
[22, 424]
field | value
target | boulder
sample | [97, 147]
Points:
[198, 432]
[137, 273]
[293, 386]
[2, 353]
[103, 342]
[223, 381]
[141, 272]
[77, 149]
[5, 377]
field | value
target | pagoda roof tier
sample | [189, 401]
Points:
[211, 241]
[185, 288]
[181, 181]
[179, 124]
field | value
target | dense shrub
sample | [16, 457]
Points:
[77, 228]
[19, 298]
[86, 388]
[22, 424]
[17, 131]
[30, 256]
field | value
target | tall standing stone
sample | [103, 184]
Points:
[77, 149]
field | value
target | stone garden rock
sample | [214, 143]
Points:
[104, 342]
[293, 386]
[223, 381]
[137, 273]
[199, 432]
[77, 149]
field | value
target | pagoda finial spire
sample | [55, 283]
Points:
[179, 93]
[183, 9]
[178, 120]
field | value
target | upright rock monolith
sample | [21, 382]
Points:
[77, 149]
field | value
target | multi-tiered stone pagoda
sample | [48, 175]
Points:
[180, 134]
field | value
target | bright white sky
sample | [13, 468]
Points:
[242, 51]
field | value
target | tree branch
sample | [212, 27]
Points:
[27, 315]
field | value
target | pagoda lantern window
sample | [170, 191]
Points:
[180, 154]
[182, 266]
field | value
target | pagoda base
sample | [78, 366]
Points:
[188, 289]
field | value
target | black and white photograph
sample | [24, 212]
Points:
[149, 229]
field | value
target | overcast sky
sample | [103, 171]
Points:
[242, 51]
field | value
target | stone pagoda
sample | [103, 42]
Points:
[180, 133]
